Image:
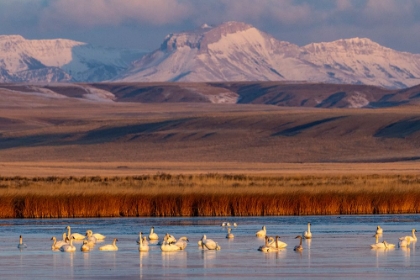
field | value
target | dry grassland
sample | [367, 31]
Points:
[72, 158]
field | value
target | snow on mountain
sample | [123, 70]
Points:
[360, 60]
[23, 60]
[236, 51]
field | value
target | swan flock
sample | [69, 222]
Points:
[171, 244]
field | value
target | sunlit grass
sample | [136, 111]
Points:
[207, 195]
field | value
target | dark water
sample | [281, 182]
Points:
[340, 248]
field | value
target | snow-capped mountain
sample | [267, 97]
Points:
[59, 60]
[236, 51]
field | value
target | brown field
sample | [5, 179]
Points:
[294, 161]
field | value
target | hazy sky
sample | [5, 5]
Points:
[143, 24]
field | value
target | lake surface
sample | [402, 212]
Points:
[340, 248]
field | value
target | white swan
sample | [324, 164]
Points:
[308, 234]
[235, 224]
[264, 247]
[153, 235]
[379, 230]
[77, 236]
[170, 238]
[377, 245]
[276, 243]
[209, 244]
[99, 236]
[57, 244]
[85, 246]
[411, 238]
[267, 248]
[388, 245]
[262, 232]
[168, 246]
[68, 247]
[139, 239]
[403, 242]
[298, 247]
[89, 237]
[143, 246]
[110, 247]
[223, 224]
[21, 245]
[65, 238]
[229, 235]
[182, 242]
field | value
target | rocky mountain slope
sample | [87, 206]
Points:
[236, 51]
[59, 60]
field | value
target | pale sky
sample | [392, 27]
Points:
[143, 24]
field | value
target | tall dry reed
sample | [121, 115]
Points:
[164, 195]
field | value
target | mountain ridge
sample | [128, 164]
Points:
[59, 60]
[235, 51]
[231, 51]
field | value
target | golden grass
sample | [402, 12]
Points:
[212, 194]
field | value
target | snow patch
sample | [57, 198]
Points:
[99, 95]
[223, 98]
[357, 100]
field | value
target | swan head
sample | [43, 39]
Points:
[85, 242]
[263, 228]
[53, 238]
[378, 227]
[414, 230]
[204, 237]
[67, 227]
[298, 237]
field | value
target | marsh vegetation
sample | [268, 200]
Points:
[212, 194]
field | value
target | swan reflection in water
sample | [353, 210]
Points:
[173, 259]
[308, 246]
[380, 254]
[142, 255]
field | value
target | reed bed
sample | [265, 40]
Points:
[166, 195]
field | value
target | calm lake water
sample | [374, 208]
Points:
[340, 248]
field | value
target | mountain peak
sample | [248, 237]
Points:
[205, 26]
[13, 38]
[200, 38]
